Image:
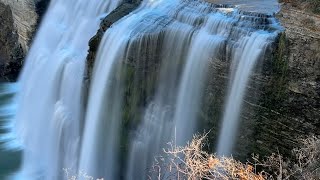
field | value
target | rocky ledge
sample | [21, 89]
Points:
[11, 53]
[18, 19]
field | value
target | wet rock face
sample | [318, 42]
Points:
[25, 19]
[123, 10]
[19, 20]
[11, 53]
[26, 15]
[288, 105]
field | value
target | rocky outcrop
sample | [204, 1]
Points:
[288, 88]
[123, 10]
[11, 53]
[282, 102]
[25, 18]
[19, 19]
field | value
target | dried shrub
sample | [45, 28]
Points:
[305, 163]
[192, 162]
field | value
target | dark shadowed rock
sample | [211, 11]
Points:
[19, 21]
[11, 53]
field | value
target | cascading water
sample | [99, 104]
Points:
[178, 39]
[49, 116]
[245, 57]
[193, 33]
[10, 149]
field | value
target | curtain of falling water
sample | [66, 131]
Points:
[10, 149]
[180, 38]
[250, 50]
[190, 35]
[99, 155]
[50, 108]
[206, 34]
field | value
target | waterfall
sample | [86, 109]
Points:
[246, 55]
[151, 69]
[50, 108]
[195, 34]
[10, 148]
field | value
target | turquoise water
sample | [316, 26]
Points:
[10, 151]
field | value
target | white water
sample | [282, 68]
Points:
[191, 35]
[100, 150]
[173, 114]
[8, 140]
[101, 132]
[50, 111]
[245, 57]
[10, 148]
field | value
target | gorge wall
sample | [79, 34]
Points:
[19, 21]
[26, 17]
[289, 103]
[282, 103]
[11, 53]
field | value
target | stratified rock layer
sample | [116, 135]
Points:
[25, 19]
[290, 102]
[19, 20]
[11, 53]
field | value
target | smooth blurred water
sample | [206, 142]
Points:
[10, 148]
[188, 34]
[51, 107]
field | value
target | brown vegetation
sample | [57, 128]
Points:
[192, 162]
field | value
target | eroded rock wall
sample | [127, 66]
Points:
[11, 53]
[288, 89]
[19, 20]
[25, 19]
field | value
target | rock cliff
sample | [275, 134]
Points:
[283, 99]
[282, 103]
[289, 106]
[25, 17]
[19, 19]
[11, 53]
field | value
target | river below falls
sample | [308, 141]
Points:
[10, 151]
